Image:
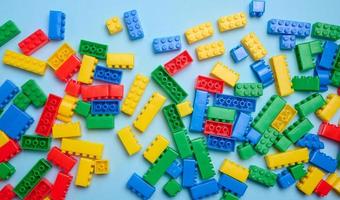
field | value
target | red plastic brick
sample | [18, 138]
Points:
[68, 68]
[116, 91]
[209, 84]
[33, 42]
[105, 91]
[178, 63]
[48, 115]
[329, 131]
[61, 186]
[338, 90]
[63, 161]
[73, 88]
[323, 188]
[6, 193]
[9, 150]
[40, 191]
[218, 128]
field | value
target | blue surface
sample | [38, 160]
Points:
[86, 20]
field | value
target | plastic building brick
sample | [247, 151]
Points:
[3, 139]
[245, 151]
[56, 25]
[24, 62]
[64, 130]
[156, 148]
[323, 161]
[326, 59]
[33, 91]
[107, 75]
[84, 173]
[218, 128]
[210, 50]
[6, 170]
[232, 185]
[148, 113]
[87, 68]
[35, 143]
[105, 107]
[175, 169]
[288, 158]
[287, 27]
[133, 25]
[93, 49]
[257, 8]
[281, 75]
[197, 117]
[40, 191]
[221, 143]
[231, 22]
[209, 84]
[173, 118]
[185, 108]
[332, 179]
[324, 77]
[335, 79]
[228, 196]
[285, 179]
[238, 53]
[241, 126]
[238, 103]
[323, 188]
[266, 141]
[282, 143]
[168, 84]
[220, 114]
[309, 105]
[304, 54]
[33, 42]
[83, 148]
[199, 32]
[114, 25]
[326, 31]
[172, 187]
[178, 63]
[61, 186]
[7, 92]
[32, 178]
[100, 121]
[311, 141]
[73, 88]
[120, 60]
[101, 167]
[9, 150]
[306, 83]
[22, 101]
[224, 73]
[141, 188]
[336, 63]
[129, 141]
[262, 176]
[254, 47]
[328, 110]
[105, 91]
[263, 72]
[66, 107]
[202, 156]
[63, 161]
[204, 189]
[283, 118]
[183, 143]
[234, 170]
[166, 44]
[8, 31]
[329, 131]
[253, 137]
[298, 171]
[248, 89]
[298, 129]
[308, 183]
[60, 56]
[287, 42]
[189, 173]
[6, 193]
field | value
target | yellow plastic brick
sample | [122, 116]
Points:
[60, 56]
[283, 82]
[326, 112]
[47, 198]
[156, 148]
[331, 179]
[82, 148]
[224, 73]
[24, 62]
[199, 32]
[255, 48]
[86, 71]
[283, 118]
[184, 108]
[336, 186]
[210, 50]
[149, 111]
[231, 22]
[234, 170]
[101, 167]
[135, 94]
[64, 130]
[288, 158]
[114, 25]
[66, 108]
[308, 183]
[84, 173]
[129, 140]
[120, 60]
[3, 139]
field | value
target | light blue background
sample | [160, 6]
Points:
[85, 19]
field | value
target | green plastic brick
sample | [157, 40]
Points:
[298, 129]
[268, 113]
[248, 89]
[32, 178]
[304, 54]
[8, 31]
[335, 80]
[316, 47]
[203, 159]
[83, 108]
[282, 143]
[173, 118]
[100, 122]
[228, 196]
[93, 49]
[35, 143]
[221, 114]
[6, 170]
[262, 176]
[168, 84]
[326, 31]
[336, 64]
[22, 101]
[266, 141]
[158, 169]
[32, 90]
[183, 143]
[298, 171]
[338, 158]
[306, 83]
[309, 105]
[245, 151]
[172, 188]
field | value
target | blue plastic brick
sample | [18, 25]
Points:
[287, 27]
[190, 173]
[7, 91]
[175, 169]
[232, 185]
[285, 179]
[221, 143]
[107, 75]
[327, 57]
[56, 25]
[323, 161]
[287, 42]
[257, 8]
[311, 141]
[238, 103]
[263, 72]
[200, 105]
[15, 122]
[166, 44]
[241, 126]
[238, 53]
[105, 107]
[141, 188]
[253, 136]
[324, 78]
[204, 189]
[133, 25]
